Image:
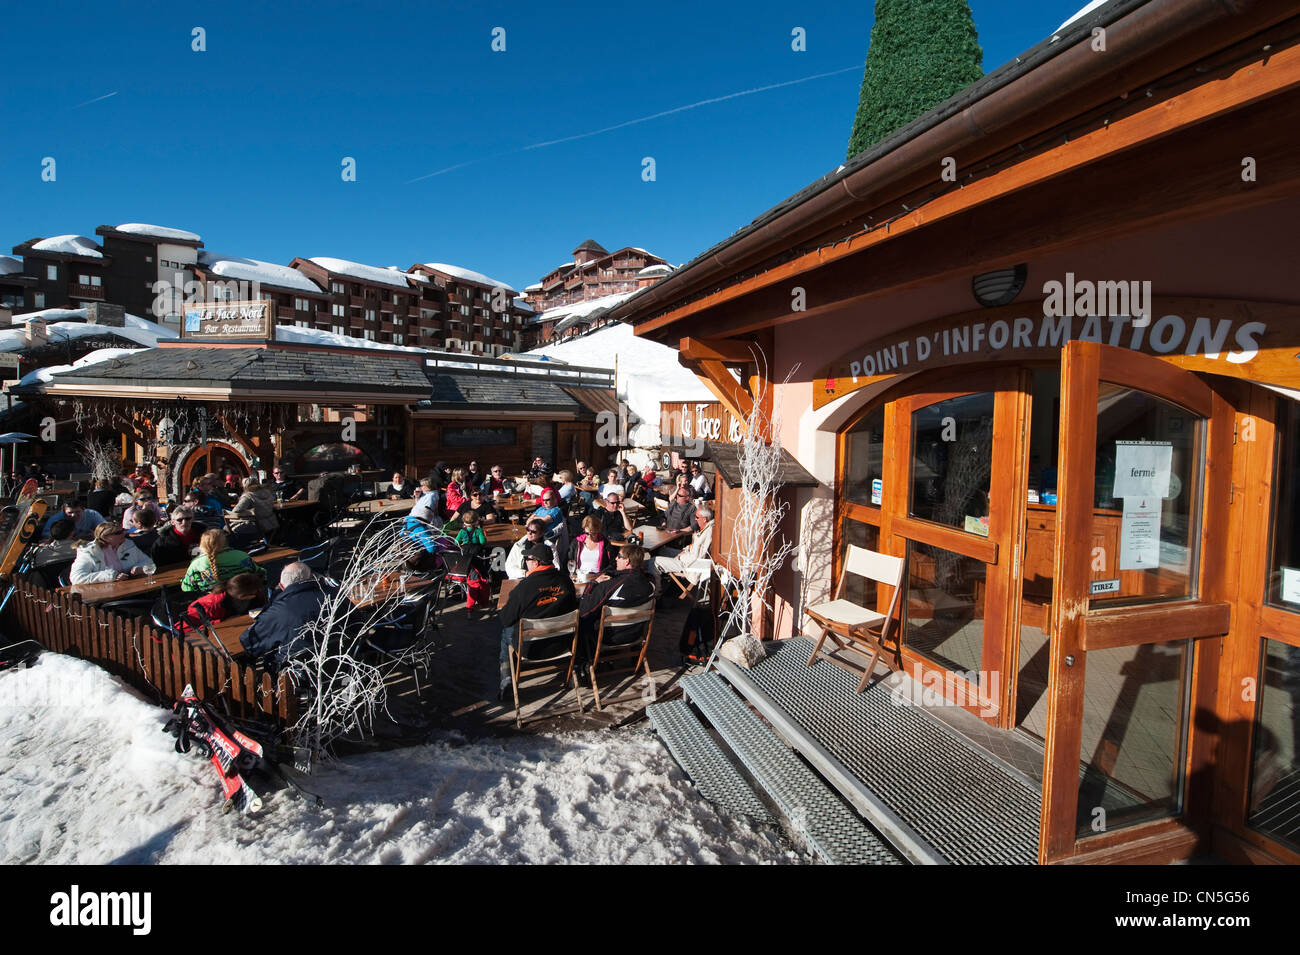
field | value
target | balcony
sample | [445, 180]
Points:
[356, 301]
[324, 318]
[285, 312]
[387, 328]
[356, 321]
[77, 290]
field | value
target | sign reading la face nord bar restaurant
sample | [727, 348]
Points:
[218, 321]
[1252, 340]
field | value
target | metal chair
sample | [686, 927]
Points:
[842, 619]
[619, 620]
[552, 658]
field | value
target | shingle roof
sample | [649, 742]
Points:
[726, 457]
[516, 392]
[319, 369]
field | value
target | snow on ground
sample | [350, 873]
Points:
[88, 777]
[648, 373]
[158, 231]
[70, 245]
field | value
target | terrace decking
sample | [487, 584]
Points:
[932, 794]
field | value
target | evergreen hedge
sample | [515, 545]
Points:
[921, 53]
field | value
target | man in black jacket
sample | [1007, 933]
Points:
[544, 592]
[628, 586]
[278, 631]
[176, 541]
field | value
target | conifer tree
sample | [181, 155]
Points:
[921, 53]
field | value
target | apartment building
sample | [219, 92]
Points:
[65, 271]
[594, 273]
[479, 314]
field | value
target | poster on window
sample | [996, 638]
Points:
[1139, 534]
[1142, 468]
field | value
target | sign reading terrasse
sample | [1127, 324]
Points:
[218, 321]
[1251, 340]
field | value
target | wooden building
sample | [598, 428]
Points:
[1042, 344]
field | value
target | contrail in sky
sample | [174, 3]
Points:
[641, 119]
[95, 100]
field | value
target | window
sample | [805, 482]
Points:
[149, 259]
[38, 300]
[338, 311]
[369, 334]
[302, 305]
[83, 279]
[302, 323]
[338, 329]
[338, 288]
[398, 338]
[52, 272]
[96, 281]
[370, 314]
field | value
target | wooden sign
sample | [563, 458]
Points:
[1257, 341]
[223, 321]
[699, 421]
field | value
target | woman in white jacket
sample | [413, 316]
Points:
[110, 556]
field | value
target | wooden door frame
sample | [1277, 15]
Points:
[1083, 366]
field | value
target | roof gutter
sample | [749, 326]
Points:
[1049, 73]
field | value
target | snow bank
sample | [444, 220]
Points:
[467, 275]
[367, 273]
[70, 245]
[255, 270]
[648, 372]
[157, 231]
[584, 308]
[317, 336]
[70, 797]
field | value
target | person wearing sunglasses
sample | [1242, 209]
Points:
[179, 539]
[681, 510]
[110, 556]
[516, 567]
[551, 512]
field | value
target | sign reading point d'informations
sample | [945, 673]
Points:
[1258, 341]
[228, 321]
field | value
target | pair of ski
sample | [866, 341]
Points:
[232, 753]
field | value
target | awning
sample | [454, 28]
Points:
[726, 458]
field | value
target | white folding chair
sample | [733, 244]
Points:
[843, 620]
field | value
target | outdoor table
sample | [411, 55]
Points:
[391, 584]
[92, 594]
[282, 506]
[508, 585]
[652, 538]
[516, 504]
[383, 506]
[503, 533]
[227, 631]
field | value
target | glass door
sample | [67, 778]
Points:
[1132, 591]
[951, 511]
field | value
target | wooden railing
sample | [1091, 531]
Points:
[148, 659]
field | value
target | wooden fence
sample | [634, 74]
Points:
[148, 659]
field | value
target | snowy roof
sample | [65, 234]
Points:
[157, 231]
[414, 276]
[69, 245]
[90, 358]
[69, 324]
[366, 273]
[317, 336]
[535, 287]
[1083, 12]
[523, 305]
[254, 270]
[10, 265]
[467, 274]
[582, 309]
[655, 270]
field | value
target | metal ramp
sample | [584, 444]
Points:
[934, 795]
[700, 756]
[829, 827]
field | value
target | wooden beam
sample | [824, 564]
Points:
[1210, 104]
[727, 350]
[719, 380]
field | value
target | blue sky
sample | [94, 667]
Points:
[243, 143]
